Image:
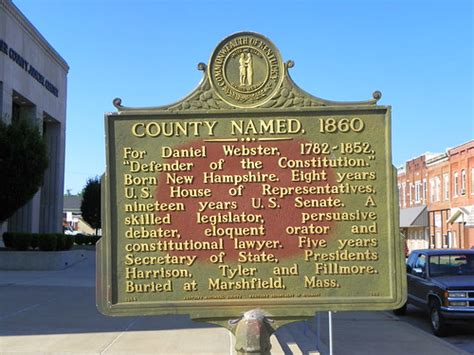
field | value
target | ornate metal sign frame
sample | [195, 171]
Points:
[247, 79]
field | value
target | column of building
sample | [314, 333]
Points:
[33, 87]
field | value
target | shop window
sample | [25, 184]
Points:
[411, 195]
[438, 188]
[446, 186]
[472, 181]
[417, 191]
[463, 182]
[425, 192]
[432, 190]
[456, 184]
[404, 196]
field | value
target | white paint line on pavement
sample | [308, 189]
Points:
[27, 308]
[231, 340]
[294, 348]
[19, 311]
[118, 336]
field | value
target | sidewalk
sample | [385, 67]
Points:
[368, 333]
[54, 312]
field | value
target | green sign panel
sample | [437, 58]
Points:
[249, 193]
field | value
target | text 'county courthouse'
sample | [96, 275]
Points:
[33, 86]
[436, 196]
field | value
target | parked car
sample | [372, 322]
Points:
[69, 231]
[441, 281]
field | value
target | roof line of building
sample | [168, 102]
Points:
[435, 158]
[460, 147]
[10, 7]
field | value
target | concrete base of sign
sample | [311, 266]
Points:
[39, 260]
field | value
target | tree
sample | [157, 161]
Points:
[90, 205]
[23, 161]
[69, 193]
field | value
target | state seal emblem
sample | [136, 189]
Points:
[246, 70]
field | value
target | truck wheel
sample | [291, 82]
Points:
[438, 324]
[400, 311]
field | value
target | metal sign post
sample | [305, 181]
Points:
[330, 332]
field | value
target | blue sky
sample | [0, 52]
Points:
[418, 53]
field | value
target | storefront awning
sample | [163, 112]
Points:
[414, 217]
[462, 215]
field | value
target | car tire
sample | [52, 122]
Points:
[437, 321]
[400, 311]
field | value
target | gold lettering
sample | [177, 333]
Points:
[364, 229]
[314, 282]
[286, 270]
[155, 129]
[260, 127]
[139, 181]
[152, 287]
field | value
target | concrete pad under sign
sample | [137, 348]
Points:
[54, 312]
[186, 341]
[177, 335]
[39, 260]
[209, 341]
[56, 343]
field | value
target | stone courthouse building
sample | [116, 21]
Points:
[436, 197]
[33, 86]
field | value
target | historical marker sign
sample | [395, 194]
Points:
[249, 193]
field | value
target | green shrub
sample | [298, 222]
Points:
[69, 242]
[47, 242]
[94, 239]
[64, 242]
[8, 239]
[24, 159]
[79, 239]
[60, 241]
[21, 241]
[43, 241]
[83, 239]
[34, 240]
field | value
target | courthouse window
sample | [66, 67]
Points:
[15, 112]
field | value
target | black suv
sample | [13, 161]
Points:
[441, 281]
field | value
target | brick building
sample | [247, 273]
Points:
[436, 197]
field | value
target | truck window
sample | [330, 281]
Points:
[421, 263]
[451, 265]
